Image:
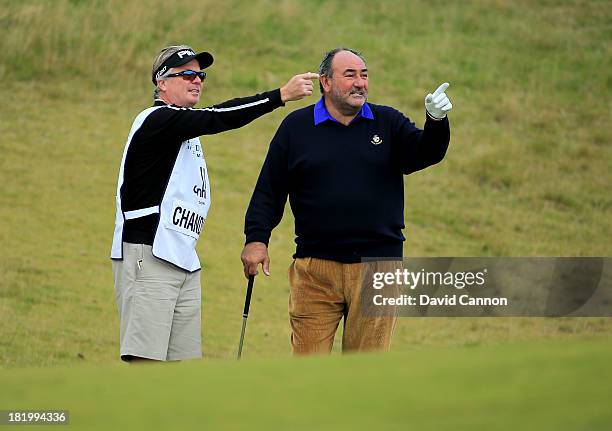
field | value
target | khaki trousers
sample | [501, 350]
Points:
[324, 291]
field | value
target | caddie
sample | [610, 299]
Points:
[163, 198]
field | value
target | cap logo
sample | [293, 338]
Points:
[161, 72]
[185, 52]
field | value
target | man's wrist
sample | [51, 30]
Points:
[257, 237]
[284, 98]
[432, 117]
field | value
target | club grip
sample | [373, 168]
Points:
[247, 301]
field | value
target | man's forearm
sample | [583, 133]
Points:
[434, 140]
[238, 112]
[264, 213]
[422, 148]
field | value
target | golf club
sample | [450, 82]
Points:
[245, 313]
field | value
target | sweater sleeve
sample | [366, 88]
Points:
[415, 148]
[186, 123]
[267, 203]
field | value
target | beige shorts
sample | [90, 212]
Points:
[160, 307]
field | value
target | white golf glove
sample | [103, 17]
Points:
[437, 104]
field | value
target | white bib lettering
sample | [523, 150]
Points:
[186, 219]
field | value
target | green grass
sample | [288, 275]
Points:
[528, 172]
[540, 386]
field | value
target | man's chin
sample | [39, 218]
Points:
[193, 96]
[193, 101]
[357, 102]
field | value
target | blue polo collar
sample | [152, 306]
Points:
[321, 113]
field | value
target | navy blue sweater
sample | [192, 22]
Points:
[345, 183]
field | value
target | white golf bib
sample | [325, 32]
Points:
[182, 210]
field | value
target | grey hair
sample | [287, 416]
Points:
[162, 56]
[325, 68]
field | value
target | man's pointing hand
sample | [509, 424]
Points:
[298, 87]
[437, 104]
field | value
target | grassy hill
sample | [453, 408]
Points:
[528, 172]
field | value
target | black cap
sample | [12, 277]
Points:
[180, 57]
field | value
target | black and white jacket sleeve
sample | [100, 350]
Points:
[180, 123]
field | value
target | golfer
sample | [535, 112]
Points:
[163, 198]
[341, 162]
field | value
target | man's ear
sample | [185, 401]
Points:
[324, 80]
[161, 84]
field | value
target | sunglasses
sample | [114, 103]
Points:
[188, 75]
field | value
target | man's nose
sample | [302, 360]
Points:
[359, 82]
